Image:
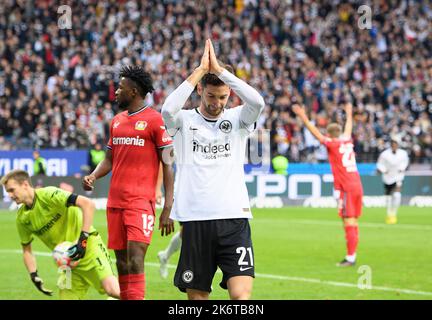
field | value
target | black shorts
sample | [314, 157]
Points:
[390, 188]
[206, 245]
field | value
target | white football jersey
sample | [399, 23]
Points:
[393, 165]
[209, 157]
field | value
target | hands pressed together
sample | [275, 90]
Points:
[209, 62]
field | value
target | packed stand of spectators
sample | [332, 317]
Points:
[57, 83]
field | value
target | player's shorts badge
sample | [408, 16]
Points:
[225, 126]
[140, 125]
[187, 276]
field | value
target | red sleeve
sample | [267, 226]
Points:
[161, 138]
[326, 141]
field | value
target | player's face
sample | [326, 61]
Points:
[18, 192]
[394, 146]
[124, 93]
[214, 99]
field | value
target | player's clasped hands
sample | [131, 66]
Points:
[205, 59]
[209, 62]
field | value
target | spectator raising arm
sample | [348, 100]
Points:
[301, 113]
[349, 122]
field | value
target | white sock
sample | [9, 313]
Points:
[396, 200]
[351, 258]
[173, 246]
[389, 205]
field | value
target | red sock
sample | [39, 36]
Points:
[136, 286]
[123, 281]
[351, 236]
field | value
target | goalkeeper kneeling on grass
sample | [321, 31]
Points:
[55, 216]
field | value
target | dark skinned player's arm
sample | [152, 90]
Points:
[104, 167]
[166, 156]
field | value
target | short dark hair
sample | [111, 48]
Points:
[212, 79]
[140, 77]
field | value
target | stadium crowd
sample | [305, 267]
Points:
[57, 84]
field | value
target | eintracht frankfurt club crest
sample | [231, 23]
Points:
[225, 126]
[187, 276]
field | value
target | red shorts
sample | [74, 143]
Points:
[350, 203]
[129, 225]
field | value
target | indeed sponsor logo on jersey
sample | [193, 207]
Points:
[128, 141]
[210, 148]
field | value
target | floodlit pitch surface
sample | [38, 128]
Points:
[296, 251]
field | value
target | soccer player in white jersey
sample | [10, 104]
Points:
[211, 200]
[392, 164]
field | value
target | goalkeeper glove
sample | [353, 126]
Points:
[38, 282]
[78, 251]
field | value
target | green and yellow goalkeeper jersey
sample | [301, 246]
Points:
[51, 218]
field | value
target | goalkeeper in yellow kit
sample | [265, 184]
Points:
[55, 216]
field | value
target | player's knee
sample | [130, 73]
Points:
[350, 222]
[113, 290]
[241, 293]
[136, 264]
[197, 295]
[122, 266]
[240, 288]
[111, 286]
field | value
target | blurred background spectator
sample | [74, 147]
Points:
[57, 85]
[96, 155]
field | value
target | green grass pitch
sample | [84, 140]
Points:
[296, 251]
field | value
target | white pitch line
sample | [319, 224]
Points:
[368, 224]
[275, 277]
[342, 284]
[361, 224]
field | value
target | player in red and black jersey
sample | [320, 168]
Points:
[137, 139]
[347, 184]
